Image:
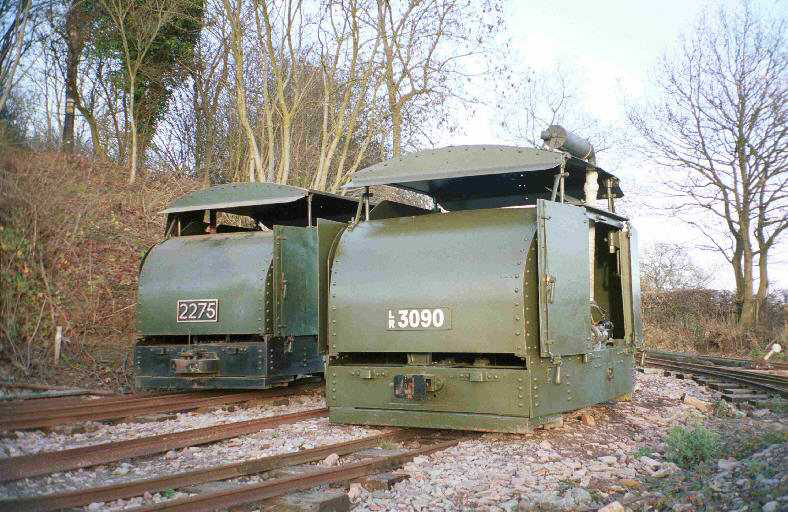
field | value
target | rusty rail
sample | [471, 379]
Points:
[47, 387]
[137, 488]
[50, 462]
[253, 493]
[32, 408]
[770, 383]
[114, 410]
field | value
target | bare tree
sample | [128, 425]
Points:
[234, 9]
[281, 38]
[668, 266]
[424, 45]
[721, 128]
[350, 82]
[14, 18]
[534, 100]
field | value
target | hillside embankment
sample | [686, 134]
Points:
[72, 231]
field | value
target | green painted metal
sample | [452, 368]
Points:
[564, 311]
[228, 267]
[234, 195]
[257, 365]
[237, 195]
[446, 256]
[327, 238]
[430, 419]
[632, 285]
[476, 177]
[470, 263]
[455, 162]
[296, 281]
[491, 391]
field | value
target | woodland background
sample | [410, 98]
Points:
[110, 109]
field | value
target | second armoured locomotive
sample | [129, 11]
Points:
[515, 299]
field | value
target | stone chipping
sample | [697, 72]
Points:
[582, 465]
[609, 455]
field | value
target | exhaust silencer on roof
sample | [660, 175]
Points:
[558, 137]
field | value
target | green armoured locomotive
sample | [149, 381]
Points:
[515, 300]
[235, 295]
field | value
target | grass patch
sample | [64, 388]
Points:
[689, 447]
[743, 448]
[643, 451]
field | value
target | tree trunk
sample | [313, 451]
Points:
[284, 163]
[747, 318]
[133, 122]
[74, 49]
[396, 132]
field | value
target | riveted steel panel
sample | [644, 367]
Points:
[631, 286]
[598, 376]
[230, 268]
[328, 236]
[481, 391]
[469, 263]
[564, 311]
[295, 281]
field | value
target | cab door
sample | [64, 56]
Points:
[564, 309]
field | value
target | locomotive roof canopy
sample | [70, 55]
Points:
[483, 176]
[264, 201]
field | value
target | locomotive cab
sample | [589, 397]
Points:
[515, 300]
[234, 296]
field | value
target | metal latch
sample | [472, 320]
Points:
[549, 287]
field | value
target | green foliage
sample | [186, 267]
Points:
[722, 409]
[743, 448]
[643, 451]
[688, 448]
[164, 66]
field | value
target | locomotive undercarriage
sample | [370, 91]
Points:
[236, 362]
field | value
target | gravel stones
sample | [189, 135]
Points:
[582, 465]
[612, 507]
[284, 438]
[579, 466]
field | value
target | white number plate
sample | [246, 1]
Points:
[198, 310]
[418, 319]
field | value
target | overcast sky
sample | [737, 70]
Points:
[616, 44]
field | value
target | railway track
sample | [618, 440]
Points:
[26, 466]
[181, 480]
[46, 415]
[306, 477]
[739, 380]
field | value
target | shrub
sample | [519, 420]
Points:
[71, 235]
[688, 448]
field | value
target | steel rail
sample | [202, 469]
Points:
[26, 466]
[755, 375]
[772, 384]
[139, 487]
[117, 411]
[716, 360]
[46, 387]
[109, 404]
[253, 493]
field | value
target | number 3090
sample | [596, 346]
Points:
[417, 319]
